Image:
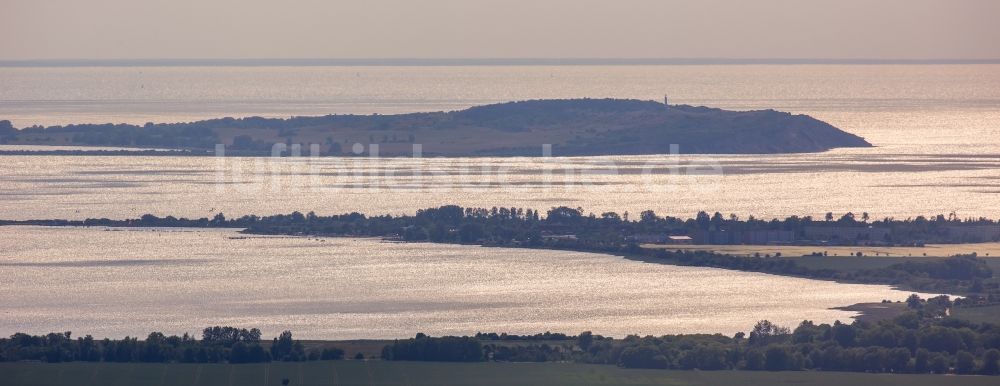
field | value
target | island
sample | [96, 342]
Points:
[574, 127]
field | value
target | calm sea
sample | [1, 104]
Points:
[936, 128]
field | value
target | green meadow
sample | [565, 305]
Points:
[378, 372]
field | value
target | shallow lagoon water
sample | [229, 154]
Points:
[117, 282]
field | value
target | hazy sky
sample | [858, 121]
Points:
[144, 29]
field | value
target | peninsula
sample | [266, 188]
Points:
[574, 127]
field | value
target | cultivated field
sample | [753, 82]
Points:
[930, 250]
[417, 374]
[987, 314]
[844, 259]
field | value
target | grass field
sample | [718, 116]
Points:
[843, 258]
[367, 347]
[931, 250]
[988, 314]
[372, 348]
[419, 374]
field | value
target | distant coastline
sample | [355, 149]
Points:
[568, 229]
[421, 62]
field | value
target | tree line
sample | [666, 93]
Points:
[525, 226]
[921, 341]
[217, 344]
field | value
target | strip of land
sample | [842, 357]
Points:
[806, 247]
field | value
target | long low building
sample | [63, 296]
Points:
[660, 238]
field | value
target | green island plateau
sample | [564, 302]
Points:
[574, 127]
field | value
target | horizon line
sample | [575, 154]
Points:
[420, 62]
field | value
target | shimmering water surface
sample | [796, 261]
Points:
[113, 282]
[936, 128]
[936, 131]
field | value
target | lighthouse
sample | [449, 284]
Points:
[666, 101]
